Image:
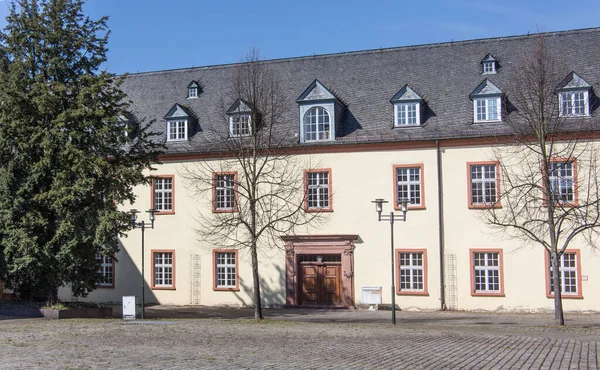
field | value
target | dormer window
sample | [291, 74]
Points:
[574, 96]
[239, 125]
[318, 111]
[240, 119]
[489, 64]
[574, 103]
[487, 102]
[487, 109]
[177, 130]
[317, 124]
[193, 90]
[177, 123]
[407, 107]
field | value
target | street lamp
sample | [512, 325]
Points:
[142, 225]
[391, 217]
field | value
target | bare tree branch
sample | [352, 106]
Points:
[549, 174]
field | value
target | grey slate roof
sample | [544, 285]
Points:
[443, 74]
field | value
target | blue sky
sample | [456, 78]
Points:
[161, 34]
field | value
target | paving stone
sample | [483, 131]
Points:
[209, 338]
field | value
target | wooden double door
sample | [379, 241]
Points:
[320, 284]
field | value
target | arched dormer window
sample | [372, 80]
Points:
[317, 124]
[320, 112]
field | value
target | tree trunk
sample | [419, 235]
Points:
[558, 309]
[257, 301]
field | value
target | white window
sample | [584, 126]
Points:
[106, 271]
[225, 267]
[407, 114]
[224, 192]
[408, 185]
[240, 125]
[574, 103]
[487, 109]
[176, 130]
[569, 274]
[483, 181]
[162, 198]
[192, 92]
[562, 182]
[486, 272]
[411, 270]
[317, 125]
[489, 67]
[317, 190]
[163, 269]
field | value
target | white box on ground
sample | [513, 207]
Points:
[129, 307]
[371, 295]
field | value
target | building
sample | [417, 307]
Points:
[420, 122]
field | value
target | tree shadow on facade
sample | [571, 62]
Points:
[128, 278]
[272, 288]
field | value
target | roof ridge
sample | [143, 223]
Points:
[367, 51]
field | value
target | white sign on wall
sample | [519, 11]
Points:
[129, 307]
[371, 295]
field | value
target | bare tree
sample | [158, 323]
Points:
[549, 174]
[257, 185]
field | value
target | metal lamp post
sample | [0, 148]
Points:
[391, 218]
[142, 225]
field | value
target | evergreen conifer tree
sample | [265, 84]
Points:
[65, 161]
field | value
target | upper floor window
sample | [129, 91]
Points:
[487, 109]
[407, 114]
[489, 64]
[318, 111]
[177, 130]
[193, 88]
[407, 107]
[177, 123]
[162, 194]
[487, 102]
[224, 188]
[574, 103]
[563, 181]
[489, 67]
[317, 125]
[409, 185]
[483, 185]
[318, 190]
[240, 125]
[574, 96]
[240, 119]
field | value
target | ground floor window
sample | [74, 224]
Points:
[570, 274]
[486, 272]
[411, 271]
[225, 264]
[106, 271]
[163, 269]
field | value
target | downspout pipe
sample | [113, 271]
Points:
[441, 225]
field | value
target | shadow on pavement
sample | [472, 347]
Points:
[417, 318]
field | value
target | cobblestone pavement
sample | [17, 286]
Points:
[225, 339]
